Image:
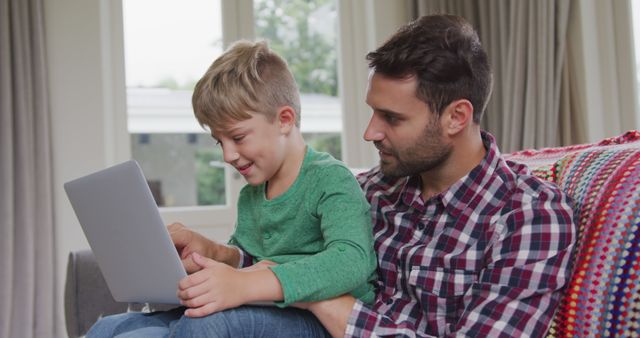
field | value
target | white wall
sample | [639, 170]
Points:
[86, 90]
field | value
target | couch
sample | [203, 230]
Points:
[603, 295]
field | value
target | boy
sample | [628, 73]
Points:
[302, 210]
[302, 218]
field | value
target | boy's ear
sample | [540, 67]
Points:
[457, 116]
[286, 118]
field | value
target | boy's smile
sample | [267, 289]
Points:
[245, 169]
[254, 147]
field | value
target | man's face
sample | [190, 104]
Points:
[403, 128]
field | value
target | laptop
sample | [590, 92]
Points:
[130, 241]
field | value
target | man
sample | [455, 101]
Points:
[467, 244]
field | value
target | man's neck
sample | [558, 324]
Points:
[466, 154]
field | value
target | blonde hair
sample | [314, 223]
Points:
[247, 78]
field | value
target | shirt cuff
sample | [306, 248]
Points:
[245, 258]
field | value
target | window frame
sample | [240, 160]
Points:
[358, 35]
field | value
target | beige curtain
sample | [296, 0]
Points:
[601, 69]
[27, 287]
[526, 43]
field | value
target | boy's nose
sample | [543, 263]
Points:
[229, 155]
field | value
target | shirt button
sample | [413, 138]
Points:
[420, 226]
[267, 235]
[389, 301]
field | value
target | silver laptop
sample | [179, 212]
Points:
[131, 244]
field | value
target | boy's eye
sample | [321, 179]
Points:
[238, 138]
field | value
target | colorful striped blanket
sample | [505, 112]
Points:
[603, 297]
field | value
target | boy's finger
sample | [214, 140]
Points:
[201, 311]
[192, 280]
[197, 277]
[204, 262]
[174, 227]
[193, 292]
[189, 265]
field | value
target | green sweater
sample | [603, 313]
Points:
[318, 231]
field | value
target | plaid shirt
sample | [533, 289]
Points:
[487, 257]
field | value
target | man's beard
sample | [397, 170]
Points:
[428, 152]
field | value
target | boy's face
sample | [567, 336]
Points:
[254, 147]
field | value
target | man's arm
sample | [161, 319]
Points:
[346, 316]
[334, 313]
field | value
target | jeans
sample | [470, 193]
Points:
[244, 321]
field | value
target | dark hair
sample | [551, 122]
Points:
[445, 54]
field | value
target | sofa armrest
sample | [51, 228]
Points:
[86, 295]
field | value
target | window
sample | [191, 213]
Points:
[305, 34]
[167, 52]
[165, 55]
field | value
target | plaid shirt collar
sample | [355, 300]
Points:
[456, 198]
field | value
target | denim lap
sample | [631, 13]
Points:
[245, 321]
[252, 321]
[136, 324]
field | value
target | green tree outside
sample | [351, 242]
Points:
[312, 59]
[210, 179]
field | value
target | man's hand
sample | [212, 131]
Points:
[188, 242]
[218, 287]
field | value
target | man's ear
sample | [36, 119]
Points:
[458, 115]
[286, 118]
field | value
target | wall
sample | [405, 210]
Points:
[87, 94]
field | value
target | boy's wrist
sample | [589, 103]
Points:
[262, 285]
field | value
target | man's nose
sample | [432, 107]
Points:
[373, 132]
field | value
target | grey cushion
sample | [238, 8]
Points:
[86, 296]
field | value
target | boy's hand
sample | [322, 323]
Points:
[187, 242]
[214, 288]
[218, 286]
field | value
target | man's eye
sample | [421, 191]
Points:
[391, 118]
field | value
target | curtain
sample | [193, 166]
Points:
[601, 62]
[27, 259]
[526, 44]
